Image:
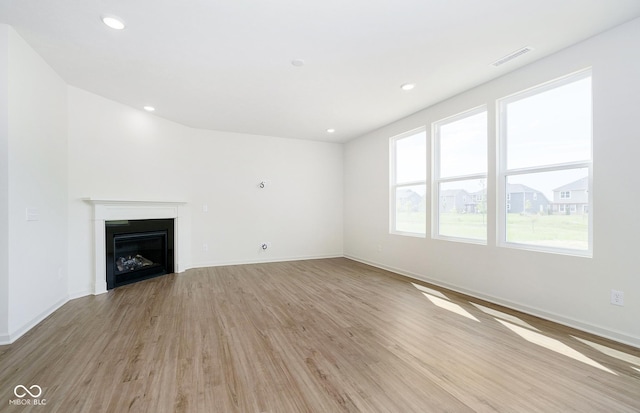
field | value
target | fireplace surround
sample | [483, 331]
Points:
[105, 210]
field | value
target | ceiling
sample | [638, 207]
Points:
[227, 64]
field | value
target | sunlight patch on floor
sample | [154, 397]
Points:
[631, 359]
[553, 345]
[448, 305]
[430, 291]
[504, 316]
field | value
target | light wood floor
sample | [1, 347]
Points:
[310, 336]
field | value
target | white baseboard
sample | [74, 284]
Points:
[79, 294]
[263, 261]
[84, 293]
[537, 312]
[12, 337]
[557, 318]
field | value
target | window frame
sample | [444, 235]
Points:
[437, 180]
[393, 185]
[504, 173]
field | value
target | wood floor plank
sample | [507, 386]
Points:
[328, 335]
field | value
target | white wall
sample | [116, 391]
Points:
[60, 144]
[37, 179]
[568, 289]
[4, 183]
[119, 152]
[60, 141]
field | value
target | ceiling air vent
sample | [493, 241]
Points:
[512, 56]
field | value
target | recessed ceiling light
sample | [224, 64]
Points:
[113, 22]
[149, 108]
[408, 86]
[331, 130]
[297, 62]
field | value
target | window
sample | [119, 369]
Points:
[408, 178]
[545, 136]
[460, 176]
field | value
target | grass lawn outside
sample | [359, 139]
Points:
[558, 231]
[414, 222]
[473, 226]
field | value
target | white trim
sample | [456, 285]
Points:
[460, 239]
[114, 209]
[408, 234]
[614, 335]
[263, 261]
[12, 337]
[79, 294]
[546, 249]
[549, 168]
[534, 311]
[437, 180]
[393, 185]
[503, 172]
[549, 85]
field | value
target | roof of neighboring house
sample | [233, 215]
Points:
[407, 193]
[519, 188]
[580, 184]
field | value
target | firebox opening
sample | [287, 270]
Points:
[138, 249]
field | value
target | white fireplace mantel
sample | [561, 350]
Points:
[115, 209]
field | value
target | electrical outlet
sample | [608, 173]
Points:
[205, 208]
[617, 297]
[205, 247]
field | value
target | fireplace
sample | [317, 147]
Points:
[105, 210]
[137, 250]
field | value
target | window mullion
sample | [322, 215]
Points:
[461, 178]
[548, 168]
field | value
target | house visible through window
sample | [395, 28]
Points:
[460, 179]
[543, 178]
[545, 136]
[408, 187]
